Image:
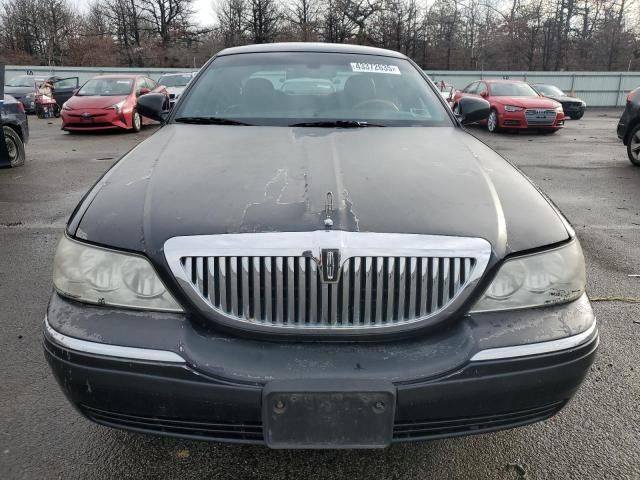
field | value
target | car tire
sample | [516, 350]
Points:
[15, 147]
[576, 116]
[136, 122]
[492, 121]
[633, 146]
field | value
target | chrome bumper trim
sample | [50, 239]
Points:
[117, 351]
[536, 348]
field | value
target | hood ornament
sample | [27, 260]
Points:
[328, 208]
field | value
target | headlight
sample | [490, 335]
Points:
[512, 108]
[117, 107]
[554, 276]
[65, 106]
[106, 277]
[559, 109]
[584, 104]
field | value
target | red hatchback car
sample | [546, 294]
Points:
[108, 102]
[515, 105]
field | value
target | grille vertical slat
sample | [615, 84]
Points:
[291, 288]
[357, 287]
[289, 291]
[367, 320]
[433, 284]
[279, 294]
[391, 288]
[379, 288]
[445, 281]
[233, 285]
[268, 292]
[424, 282]
[302, 290]
[246, 293]
[222, 282]
[400, 282]
[346, 293]
[257, 289]
[313, 291]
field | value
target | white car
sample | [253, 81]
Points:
[175, 84]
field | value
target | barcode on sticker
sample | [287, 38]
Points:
[374, 68]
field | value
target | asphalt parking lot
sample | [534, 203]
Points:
[583, 168]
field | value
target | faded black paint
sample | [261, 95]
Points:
[195, 180]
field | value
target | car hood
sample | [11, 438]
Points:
[19, 92]
[175, 90]
[565, 98]
[80, 102]
[200, 179]
[527, 102]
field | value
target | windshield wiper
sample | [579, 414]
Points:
[210, 121]
[337, 124]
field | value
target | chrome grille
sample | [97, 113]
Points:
[273, 281]
[537, 116]
[289, 291]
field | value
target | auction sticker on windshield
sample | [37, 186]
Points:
[374, 68]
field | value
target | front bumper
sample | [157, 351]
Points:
[517, 120]
[166, 387]
[96, 120]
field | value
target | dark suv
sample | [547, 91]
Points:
[629, 126]
[327, 263]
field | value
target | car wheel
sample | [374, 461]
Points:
[633, 146]
[136, 122]
[492, 122]
[15, 147]
[576, 116]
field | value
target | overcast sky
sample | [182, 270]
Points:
[204, 11]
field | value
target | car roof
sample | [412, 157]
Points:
[127, 77]
[503, 81]
[310, 47]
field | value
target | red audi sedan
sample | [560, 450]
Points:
[515, 105]
[108, 102]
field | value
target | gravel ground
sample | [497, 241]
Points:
[582, 168]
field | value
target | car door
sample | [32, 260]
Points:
[468, 90]
[64, 88]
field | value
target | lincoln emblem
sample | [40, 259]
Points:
[330, 265]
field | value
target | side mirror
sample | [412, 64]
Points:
[154, 106]
[471, 110]
[484, 94]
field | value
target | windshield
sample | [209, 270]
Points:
[106, 87]
[175, 80]
[512, 90]
[550, 90]
[23, 81]
[289, 88]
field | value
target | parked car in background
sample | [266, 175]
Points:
[629, 126]
[175, 83]
[15, 127]
[572, 106]
[109, 102]
[515, 105]
[447, 91]
[24, 88]
[316, 269]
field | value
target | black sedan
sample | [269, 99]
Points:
[629, 126]
[15, 127]
[573, 106]
[317, 267]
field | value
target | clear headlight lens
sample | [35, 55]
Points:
[117, 107]
[106, 277]
[554, 276]
[65, 106]
[559, 109]
[512, 108]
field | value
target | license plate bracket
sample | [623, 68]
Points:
[328, 414]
